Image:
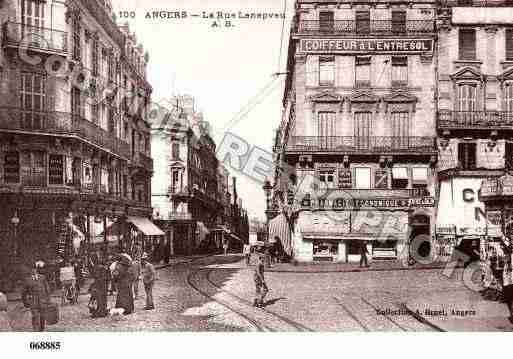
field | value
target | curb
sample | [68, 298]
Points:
[357, 270]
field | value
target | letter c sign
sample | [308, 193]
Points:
[468, 195]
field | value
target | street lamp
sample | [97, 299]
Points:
[15, 220]
[267, 190]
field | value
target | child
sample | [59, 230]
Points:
[260, 285]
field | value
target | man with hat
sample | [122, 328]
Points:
[36, 296]
[149, 276]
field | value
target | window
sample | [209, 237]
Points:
[400, 123]
[467, 97]
[175, 181]
[104, 180]
[399, 22]
[55, 169]
[33, 21]
[326, 128]
[125, 185]
[362, 71]
[76, 171]
[12, 167]
[399, 71]
[110, 67]
[33, 168]
[362, 22]
[362, 178]
[399, 177]
[467, 156]
[465, 2]
[175, 151]
[327, 178]
[467, 44]
[77, 102]
[77, 39]
[419, 177]
[111, 120]
[326, 71]
[95, 56]
[326, 21]
[508, 97]
[362, 123]
[33, 89]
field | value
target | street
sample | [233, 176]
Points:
[215, 294]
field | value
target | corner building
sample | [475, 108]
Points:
[475, 117]
[356, 147]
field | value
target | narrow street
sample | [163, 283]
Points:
[215, 294]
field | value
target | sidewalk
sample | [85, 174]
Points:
[461, 310]
[16, 295]
[377, 266]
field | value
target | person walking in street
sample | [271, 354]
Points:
[261, 288]
[507, 278]
[247, 253]
[225, 246]
[101, 276]
[36, 296]
[123, 278]
[149, 276]
[136, 273]
[363, 255]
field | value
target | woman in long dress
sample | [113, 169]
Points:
[123, 277]
[100, 287]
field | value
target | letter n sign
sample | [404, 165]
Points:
[381, 179]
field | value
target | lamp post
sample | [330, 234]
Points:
[267, 190]
[15, 220]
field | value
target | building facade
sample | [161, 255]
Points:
[356, 147]
[74, 146]
[475, 104]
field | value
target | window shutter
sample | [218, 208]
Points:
[326, 21]
[399, 21]
[363, 22]
[509, 44]
[467, 43]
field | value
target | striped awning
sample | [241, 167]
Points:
[279, 227]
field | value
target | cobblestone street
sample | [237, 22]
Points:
[215, 294]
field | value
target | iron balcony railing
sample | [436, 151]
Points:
[35, 37]
[64, 123]
[475, 119]
[373, 27]
[477, 3]
[373, 144]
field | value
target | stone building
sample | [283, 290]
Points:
[356, 147]
[475, 116]
[74, 144]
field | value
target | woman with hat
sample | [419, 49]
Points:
[123, 278]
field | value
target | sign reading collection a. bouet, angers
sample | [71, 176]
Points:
[365, 46]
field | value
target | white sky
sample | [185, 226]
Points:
[223, 68]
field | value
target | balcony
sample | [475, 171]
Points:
[373, 27]
[61, 123]
[362, 145]
[477, 3]
[142, 160]
[480, 120]
[35, 38]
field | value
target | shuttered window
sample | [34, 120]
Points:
[326, 21]
[399, 71]
[509, 44]
[362, 71]
[400, 123]
[467, 44]
[467, 155]
[326, 71]
[326, 129]
[399, 22]
[508, 98]
[362, 123]
[363, 22]
[467, 98]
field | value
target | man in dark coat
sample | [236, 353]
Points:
[363, 254]
[124, 278]
[36, 296]
[101, 285]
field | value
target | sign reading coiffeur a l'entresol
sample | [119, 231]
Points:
[365, 45]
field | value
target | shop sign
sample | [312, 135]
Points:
[381, 179]
[365, 45]
[342, 203]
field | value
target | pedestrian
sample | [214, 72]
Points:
[36, 296]
[507, 278]
[123, 278]
[136, 273]
[112, 266]
[5, 324]
[149, 277]
[363, 255]
[225, 246]
[261, 288]
[100, 287]
[247, 253]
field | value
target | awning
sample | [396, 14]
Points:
[317, 224]
[400, 172]
[145, 226]
[279, 227]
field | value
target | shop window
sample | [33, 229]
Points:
[326, 21]
[12, 167]
[325, 249]
[33, 168]
[467, 156]
[33, 93]
[327, 178]
[353, 247]
[399, 177]
[362, 71]
[363, 22]
[467, 44]
[55, 169]
[399, 71]
[326, 71]
[362, 178]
